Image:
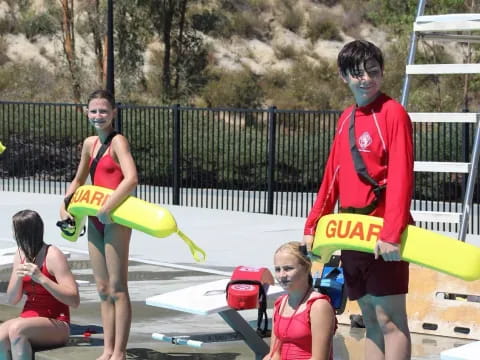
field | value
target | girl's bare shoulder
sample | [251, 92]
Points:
[55, 252]
[90, 140]
[120, 142]
[88, 143]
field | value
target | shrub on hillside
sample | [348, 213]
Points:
[322, 26]
[353, 18]
[38, 24]
[305, 85]
[237, 89]
[328, 2]
[8, 25]
[209, 22]
[246, 24]
[241, 18]
[32, 82]
[285, 51]
[260, 5]
[3, 51]
[292, 19]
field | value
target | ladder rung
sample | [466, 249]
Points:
[451, 37]
[443, 69]
[428, 117]
[441, 167]
[450, 22]
[437, 216]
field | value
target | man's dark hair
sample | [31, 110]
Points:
[357, 53]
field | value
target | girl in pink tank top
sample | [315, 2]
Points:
[40, 272]
[304, 321]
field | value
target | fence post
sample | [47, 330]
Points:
[465, 152]
[272, 117]
[176, 154]
[118, 118]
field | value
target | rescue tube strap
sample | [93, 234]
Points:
[362, 171]
[198, 254]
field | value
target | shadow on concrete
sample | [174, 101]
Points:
[149, 354]
[84, 341]
[85, 330]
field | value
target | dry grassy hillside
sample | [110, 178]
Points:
[249, 53]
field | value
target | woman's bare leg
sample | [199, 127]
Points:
[37, 331]
[117, 241]
[5, 346]
[96, 249]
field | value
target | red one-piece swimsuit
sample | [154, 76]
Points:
[40, 302]
[108, 174]
[294, 332]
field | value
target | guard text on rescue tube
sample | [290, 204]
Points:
[90, 197]
[350, 229]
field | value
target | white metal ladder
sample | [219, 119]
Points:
[441, 27]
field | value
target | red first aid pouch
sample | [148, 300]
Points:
[247, 289]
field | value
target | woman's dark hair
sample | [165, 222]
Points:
[357, 53]
[102, 94]
[28, 233]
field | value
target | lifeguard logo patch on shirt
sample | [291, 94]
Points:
[364, 141]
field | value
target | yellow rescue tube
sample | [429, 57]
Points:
[133, 212]
[419, 246]
[2, 147]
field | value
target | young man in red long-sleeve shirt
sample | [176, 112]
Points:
[379, 131]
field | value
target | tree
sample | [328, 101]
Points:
[132, 33]
[184, 55]
[132, 30]
[163, 12]
[68, 40]
[96, 25]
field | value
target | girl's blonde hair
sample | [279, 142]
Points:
[295, 248]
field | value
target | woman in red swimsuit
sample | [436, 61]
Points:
[108, 243]
[41, 272]
[304, 320]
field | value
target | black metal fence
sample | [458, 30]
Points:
[266, 161]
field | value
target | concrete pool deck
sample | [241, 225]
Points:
[162, 265]
[147, 280]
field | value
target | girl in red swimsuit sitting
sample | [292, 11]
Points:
[42, 273]
[304, 320]
[108, 243]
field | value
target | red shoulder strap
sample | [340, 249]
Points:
[44, 268]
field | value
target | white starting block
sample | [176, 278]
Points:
[465, 352]
[6, 255]
[6, 259]
[209, 298]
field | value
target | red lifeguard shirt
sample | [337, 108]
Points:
[383, 133]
